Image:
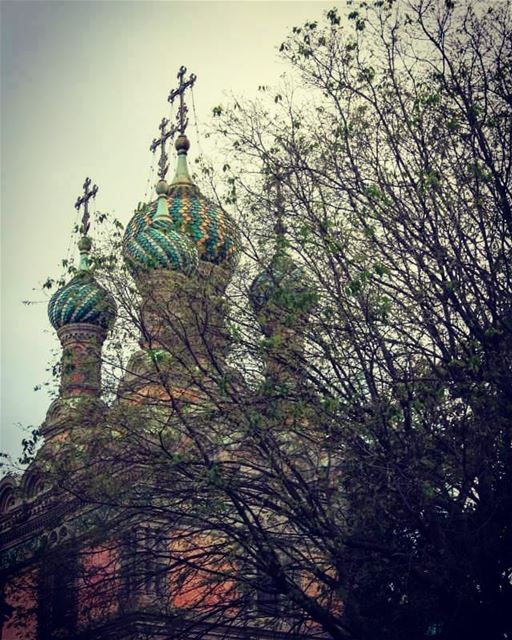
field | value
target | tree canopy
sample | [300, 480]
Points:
[347, 470]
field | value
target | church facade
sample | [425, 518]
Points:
[78, 561]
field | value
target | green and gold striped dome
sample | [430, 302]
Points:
[156, 243]
[208, 226]
[81, 300]
[159, 246]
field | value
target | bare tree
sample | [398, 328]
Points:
[334, 460]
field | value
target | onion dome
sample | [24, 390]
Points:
[208, 226]
[282, 285]
[82, 300]
[157, 244]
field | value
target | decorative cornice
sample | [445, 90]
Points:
[23, 544]
[81, 332]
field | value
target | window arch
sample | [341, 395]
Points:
[7, 498]
[33, 485]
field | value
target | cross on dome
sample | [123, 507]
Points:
[181, 116]
[84, 200]
[181, 226]
[275, 182]
[160, 142]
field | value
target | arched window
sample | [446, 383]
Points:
[7, 499]
[34, 485]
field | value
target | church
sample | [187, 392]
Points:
[120, 527]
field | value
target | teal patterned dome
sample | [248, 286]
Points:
[157, 245]
[282, 285]
[208, 226]
[81, 300]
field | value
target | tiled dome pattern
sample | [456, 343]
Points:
[207, 225]
[157, 245]
[81, 300]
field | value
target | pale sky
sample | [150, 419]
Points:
[84, 86]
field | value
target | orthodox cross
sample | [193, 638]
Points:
[84, 200]
[279, 227]
[181, 116]
[276, 183]
[160, 142]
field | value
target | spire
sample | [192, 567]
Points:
[84, 246]
[282, 298]
[182, 175]
[182, 144]
[281, 291]
[162, 212]
[162, 208]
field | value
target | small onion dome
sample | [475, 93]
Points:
[82, 300]
[209, 227]
[283, 285]
[157, 244]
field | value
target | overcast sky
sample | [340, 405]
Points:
[83, 88]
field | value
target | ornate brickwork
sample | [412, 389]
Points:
[81, 359]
